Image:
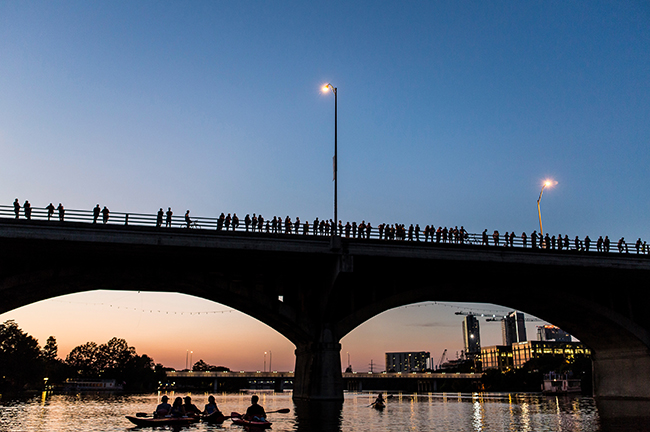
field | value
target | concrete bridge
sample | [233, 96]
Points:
[314, 290]
[413, 382]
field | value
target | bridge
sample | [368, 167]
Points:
[316, 289]
[413, 382]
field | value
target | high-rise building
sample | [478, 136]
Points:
[407, 361]
[471, 336]
[513, 328]
[552, 333]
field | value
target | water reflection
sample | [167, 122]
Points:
[431, 412]
[318, 416]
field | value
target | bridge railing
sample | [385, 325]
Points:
[178, 221]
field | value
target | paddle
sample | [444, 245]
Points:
[142, 414]
[281, 411]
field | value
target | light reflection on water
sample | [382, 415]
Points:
[429, 412]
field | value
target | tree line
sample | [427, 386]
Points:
[25, 365]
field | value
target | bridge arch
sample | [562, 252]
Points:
[329, 288]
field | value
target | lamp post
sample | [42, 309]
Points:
[548, 183]
[325, 88]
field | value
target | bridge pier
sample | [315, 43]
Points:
[317, 375]
[620, 384]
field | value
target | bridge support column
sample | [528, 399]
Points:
[620, 384]
[317, 375]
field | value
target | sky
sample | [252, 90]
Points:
[449, 113]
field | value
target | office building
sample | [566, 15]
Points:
[471, 336]
[552, 333]
[407, 361]
[524, 351]
[513, 328]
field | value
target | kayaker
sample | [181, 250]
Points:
[190, 408]
[177, 408]
[163, 409]
[255, 412]
[379, 402]
[211, 406]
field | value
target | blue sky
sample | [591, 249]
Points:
[449, 113]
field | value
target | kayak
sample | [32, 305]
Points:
[379, 406]
[152, 422]
[239, 420]
[215, 417]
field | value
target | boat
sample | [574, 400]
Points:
[379, 405]
[214, 418]
[239, 420]
[163, 421]
[560, 384]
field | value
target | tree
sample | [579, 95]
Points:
[206, 367]
[84, 359]
[21, 364]
[50, 350]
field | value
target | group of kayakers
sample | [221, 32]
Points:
[183, 407]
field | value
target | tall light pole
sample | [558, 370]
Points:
[548, 183]
[325, 88]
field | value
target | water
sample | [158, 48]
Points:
[431, 412]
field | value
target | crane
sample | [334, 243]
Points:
[442, 358]
[493, 317]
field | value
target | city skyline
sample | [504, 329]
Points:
[448, 114]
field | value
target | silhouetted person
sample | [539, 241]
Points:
[61, 212]
[159, 218]
[587, 243]
[247, 221]
[105, 213]
[255, 411]
[163, 409]
[484, 237]
[524, 238]
[621, 244]
[606, 243]
[96, 212]
[168, 219]
[191, 409]
[235, 221]
[637, 245]
[533, 240]
[17, 208]
[599, 244]
[50, 211]
[27, 208]
[188, 221]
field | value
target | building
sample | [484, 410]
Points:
[471, 336]
[515, 356]
[513, 328]
[496, 357]
[407, 361]
[550, 332]
[524, 351]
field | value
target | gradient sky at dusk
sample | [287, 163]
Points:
[450, 113]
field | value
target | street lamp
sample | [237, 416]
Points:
[326, 88]
[547, 183]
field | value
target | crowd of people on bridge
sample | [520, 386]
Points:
[364, 230]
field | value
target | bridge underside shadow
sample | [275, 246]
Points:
[314, 294]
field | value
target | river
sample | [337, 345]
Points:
[463, 412]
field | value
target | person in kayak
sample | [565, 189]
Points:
[379, 402]
[255, 412]
[211, 407]
[163, 409]
[190, 408]
[177, 408]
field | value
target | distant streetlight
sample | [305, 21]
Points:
[325, 89]
[264, 370]
[547, 183]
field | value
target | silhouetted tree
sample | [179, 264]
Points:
[21, 364]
